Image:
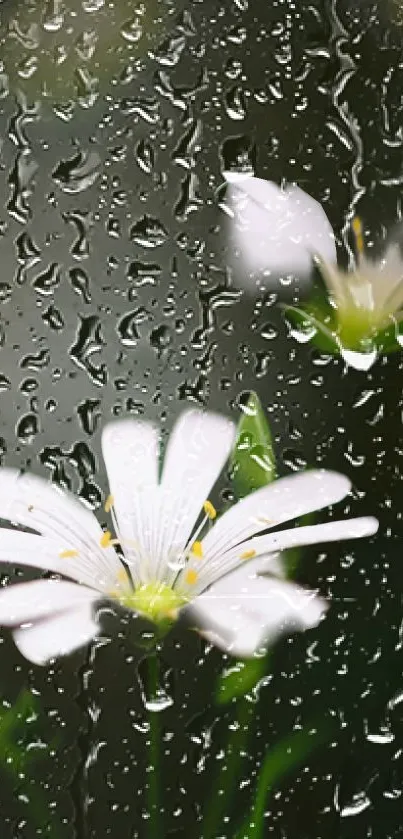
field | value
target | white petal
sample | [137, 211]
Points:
[243, 612]
[335, 281]
[281, 501]
[360, 292]
[263, 548]
[57, 635]
[33, 502]
[27, 602]
[197, 451]
[17, 548]
[386, 276]
[39, 504]
[332, 531]
[275, 230]
[130, 450]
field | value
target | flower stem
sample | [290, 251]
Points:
[154, 804]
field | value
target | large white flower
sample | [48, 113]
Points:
[171, 556]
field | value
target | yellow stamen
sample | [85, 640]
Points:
[358, 234]
[209, 510]
[69, 554]
[108, 504]
[248, 554]
[122, 576]
[106, 539]
[191, 576]
[197, 549]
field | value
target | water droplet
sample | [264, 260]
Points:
[161, 338]
[238, 155]
[80, 248]
[155, 697]
[89, 341]
[235, 103]
[36, 362]
[356, 805]
[89, 415]
[27, 428]
[53, 318]
[127, 326]
[20, 179]
[5, 383]
[5, 292]
[169, 52]
[188, 145]
[132, 30]
[359, 360]
[91, 6]
[189, 200]
[143, 273]
[87, 86]
[145, 157]
[147, 109]
[46, 282]
[53, 18]
[86, 44]
[148, 232]
[81, 283]
[78, 173]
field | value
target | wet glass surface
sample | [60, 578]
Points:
[121, 294]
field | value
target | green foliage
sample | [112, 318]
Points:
[285, 756]
[240, 679]
[13, 721]
[252, 462]
[16, 756]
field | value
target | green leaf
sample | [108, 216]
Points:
[252, 462]
[285, 756]
[240, 679]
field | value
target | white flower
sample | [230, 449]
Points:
[276, 231]
[171, 561]
[368, 299]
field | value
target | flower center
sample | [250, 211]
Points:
[157, 601]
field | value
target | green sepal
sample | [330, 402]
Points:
[252, 461]
[318, 322]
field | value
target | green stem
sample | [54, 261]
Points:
[154, 803]
[228, 774]
[285, 756]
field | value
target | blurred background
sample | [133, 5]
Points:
[120, 294]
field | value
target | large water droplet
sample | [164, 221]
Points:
[359, 360]
[154, 684]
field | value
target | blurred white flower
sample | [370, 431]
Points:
[368, 299]
[172, 557]
[276, 232]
